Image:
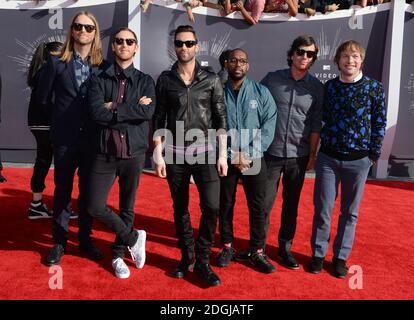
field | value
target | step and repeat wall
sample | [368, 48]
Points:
[24, 26]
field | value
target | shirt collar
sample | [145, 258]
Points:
[288, 74]
[356, 79]
[77, 56]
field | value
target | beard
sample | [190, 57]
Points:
[238, 76]
[185, 58]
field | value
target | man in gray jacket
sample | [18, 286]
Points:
[298, 96]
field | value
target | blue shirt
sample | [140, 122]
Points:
[254, 110]
[82, 68]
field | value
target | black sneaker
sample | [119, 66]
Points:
[182, 268]
[38, 210]
[316, 265]
[340, 268]
[287, 260]
[259, 260]
[204, 271]
[242, 256]
[225, 256]
[55, 255]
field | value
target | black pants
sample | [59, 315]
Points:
[207, 181]
[44, 155]
[104, 171]
[255, 191]
[68, 159]
[293, 172]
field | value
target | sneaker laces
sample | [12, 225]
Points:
[227, 251]
[134, 258]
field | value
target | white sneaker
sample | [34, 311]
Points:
[121, 269]
[138, 249]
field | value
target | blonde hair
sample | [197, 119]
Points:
[349, 45]
[96, 49]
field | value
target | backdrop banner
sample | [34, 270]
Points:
[266, 43]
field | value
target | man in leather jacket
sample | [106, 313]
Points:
[190, 103]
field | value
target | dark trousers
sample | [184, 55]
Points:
[44, 155]
[255, 190]
[68, 159]
[207, 181]
[104, 171]
[293, 172]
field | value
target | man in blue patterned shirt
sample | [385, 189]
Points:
[354, 126]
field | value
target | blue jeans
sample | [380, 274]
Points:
[329, 173]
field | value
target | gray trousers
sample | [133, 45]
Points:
[329, 173]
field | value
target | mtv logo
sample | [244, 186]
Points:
[204, 63]
[326, 67]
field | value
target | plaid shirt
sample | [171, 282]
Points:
[82, 68]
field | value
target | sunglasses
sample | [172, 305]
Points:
[242, 62]
[309, 53]
[188, 43]
[79, 26]
[120, 41]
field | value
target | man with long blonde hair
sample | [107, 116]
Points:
[66, 78]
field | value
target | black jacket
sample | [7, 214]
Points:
[38, 116]
[129, 117]
[70, 109]
[200, 105]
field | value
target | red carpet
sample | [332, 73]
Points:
[384, 249]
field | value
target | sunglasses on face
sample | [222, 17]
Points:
[241, 62]
[309, 53]
[188, 43]
[120, 41]
[79, 26]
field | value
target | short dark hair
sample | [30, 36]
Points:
[304, 40]
[185, 28]
[238, 49]
[124, 29]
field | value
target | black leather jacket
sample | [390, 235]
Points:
[199, 105]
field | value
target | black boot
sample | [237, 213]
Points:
[186, 264]
[204, 271]
[55, 255]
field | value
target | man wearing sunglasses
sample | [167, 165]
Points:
[122, 102]
[298, 97]
[190, 97]
[66, 78]
[250, 110]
